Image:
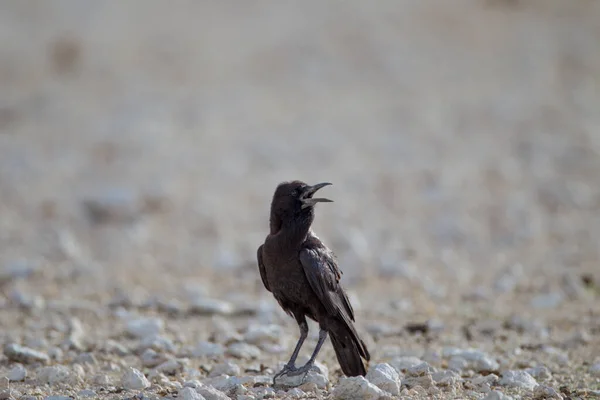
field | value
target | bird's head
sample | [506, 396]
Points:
[294, 200]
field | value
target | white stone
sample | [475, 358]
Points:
[356, 388]
[134, 380]
[54, 374]
[403, 363]
[542, 392]
[226, 368]
[296, 393]
[385, 377]
[17, 373]
[540, 372]
[208, 306]
[170, 367]
[151, 358]
[157, 343]
[188, 393]
[519, 379]
[144, 327]
[446, 378]
[208, 349]
[25, 355]
[320, 380]
[224, 383]
[497, 395]
[210, 393]
[243, 350]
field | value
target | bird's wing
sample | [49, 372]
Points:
[324, 275]
[261, 268]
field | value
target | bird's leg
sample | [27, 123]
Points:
[311, 362]
[291, 364]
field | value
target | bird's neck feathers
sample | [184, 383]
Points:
[292, 228]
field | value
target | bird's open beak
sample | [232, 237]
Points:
[308, 200]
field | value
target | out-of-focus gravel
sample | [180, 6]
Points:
[140, 143]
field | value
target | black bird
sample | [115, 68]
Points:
[303, 275]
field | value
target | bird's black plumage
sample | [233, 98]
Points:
[303, 275]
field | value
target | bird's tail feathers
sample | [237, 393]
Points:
[349, 348]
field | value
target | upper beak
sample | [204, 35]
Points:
[308, 200]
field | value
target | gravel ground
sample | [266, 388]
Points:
[140, 144]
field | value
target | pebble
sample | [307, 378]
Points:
[262, 392]
[226, 368]
[403, 363]
[17, 373]
[151, 358]
[497, 395]
[134, 380]
[595, 370]
[385, 377]
[157, 343]
[446, 378]
[520, 379]
[144, 327]
[87, 393]
[224, 383]
[542, 392]
[540, 372]
[210, 393]
[187, 393]
[85, 358]
[54, 374]
[170, 367]
[419, 375]
[471, 359]
[112, 205]
[25, 355]
[319, 380]
[243, 350]
[208, 306]
[208, 349]
[296, 393]
[356, 388]
[58, 398]
[258, 334]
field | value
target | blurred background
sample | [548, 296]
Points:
[141, 142]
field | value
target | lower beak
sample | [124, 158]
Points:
[309, 191]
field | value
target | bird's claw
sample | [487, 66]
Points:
[293, 371]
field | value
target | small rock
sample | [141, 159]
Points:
[4, 383]
[208, 349]
[243, 350]
[157, 343]
[54, 374]
[258, 334]
[151, 358]
[87, 393]
[385, 377]
[224, 383]
[25, 355]
[309, 387]
[17, 373]
[134, 380]
[210, 393]
[321, 381]
[187, 393]
[112, 205]
[113, 347]
[207, 306]
[541, 373]
[144, 327]
[226, 368]
[262, 392]
[542, 392]
[595, 370]
[471, 359]
[419, 375]
[446, 378]
[519, 379]
[356, 387]
[58, 398]
[497, 395]
[548, 300]
[403, 363]
[170, 367]
[481, 380]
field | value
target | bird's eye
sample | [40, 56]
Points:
[295, 192]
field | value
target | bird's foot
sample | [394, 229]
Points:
[288, 369]
[292, 371]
